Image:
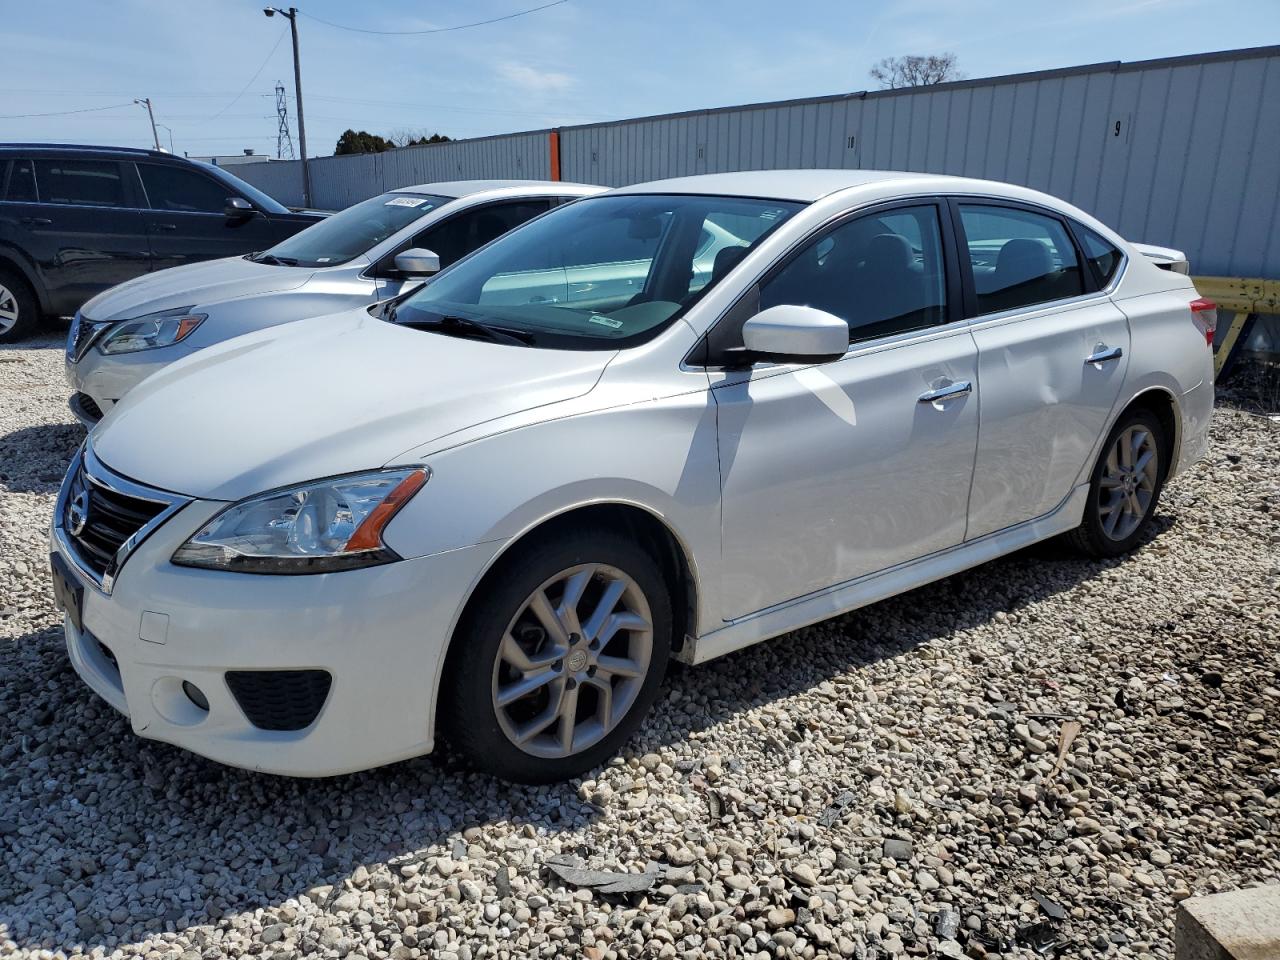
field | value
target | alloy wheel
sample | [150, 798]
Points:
[8, 309]
[1128, 483]
[572, 661]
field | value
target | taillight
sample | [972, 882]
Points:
[1204, 313]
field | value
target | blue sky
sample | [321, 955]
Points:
[578, 61]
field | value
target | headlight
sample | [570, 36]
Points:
[154, 330]
[314, 528]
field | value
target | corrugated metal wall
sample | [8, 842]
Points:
[1182, 152]
[337, 182]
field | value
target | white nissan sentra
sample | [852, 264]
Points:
[371, 251]
[495, 510]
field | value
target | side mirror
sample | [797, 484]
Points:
[238, 208]
[792, 334]
[417, 262]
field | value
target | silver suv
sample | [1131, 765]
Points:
[369, 252]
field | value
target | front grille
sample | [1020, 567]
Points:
[99, 521]
[88, 406]
[81, 336]
[280, 699]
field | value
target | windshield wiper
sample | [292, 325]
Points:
[464, 326]
[271, 260]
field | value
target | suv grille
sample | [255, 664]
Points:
[98, 521]
[280, 699]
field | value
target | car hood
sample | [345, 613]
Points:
[312, 399]
[192, 285]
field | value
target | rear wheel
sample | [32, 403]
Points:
[19, 312]
[559, 658]
[1125, 486]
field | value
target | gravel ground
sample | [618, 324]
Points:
[878, 785]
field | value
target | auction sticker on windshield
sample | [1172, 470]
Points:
[406, 202]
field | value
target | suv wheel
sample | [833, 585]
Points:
[560, 659]
[19, 314]
[1125, 488]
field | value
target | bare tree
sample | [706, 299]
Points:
[411, 138]
[915, 71]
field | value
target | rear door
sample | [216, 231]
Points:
[85, 232]
[185, 220]
[1052, 354]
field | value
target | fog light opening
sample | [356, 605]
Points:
[195, 695]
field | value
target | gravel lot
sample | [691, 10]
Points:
[874, 786]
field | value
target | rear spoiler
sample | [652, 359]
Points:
[1166, 258]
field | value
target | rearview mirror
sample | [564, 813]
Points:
[237, 208]
[793, 334]
[417, 262]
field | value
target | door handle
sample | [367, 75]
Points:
[166, 226]
[35, 221]
[1104, 355]
[961, 388]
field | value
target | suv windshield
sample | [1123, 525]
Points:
[352, 231]
[600, 273]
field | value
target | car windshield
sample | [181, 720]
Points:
[239, 187]
[599, 273]
[352, 231]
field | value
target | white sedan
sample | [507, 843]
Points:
[494, 513]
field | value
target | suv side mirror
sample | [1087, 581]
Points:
[238, 208]
[792, 334]
[417, 262]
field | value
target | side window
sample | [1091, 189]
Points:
[725, 239]
[22, 182]
[882, 273]
[472, 229]
[94, 183]
[1100, 252]
[1019, 258]
[181, 191]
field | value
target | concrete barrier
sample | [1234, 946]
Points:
[1241, 925]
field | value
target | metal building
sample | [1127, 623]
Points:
[1182, 152]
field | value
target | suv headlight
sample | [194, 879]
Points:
[316, 527]
[160, 329]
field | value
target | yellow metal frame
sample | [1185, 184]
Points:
[1241, 296]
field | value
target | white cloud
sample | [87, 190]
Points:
[533, 80]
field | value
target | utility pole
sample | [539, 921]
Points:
[146, 102]
[292, 15]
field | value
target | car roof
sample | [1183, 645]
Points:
[82, 148]
[466, 188]
[803, 185]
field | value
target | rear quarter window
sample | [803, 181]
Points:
[1100, 252]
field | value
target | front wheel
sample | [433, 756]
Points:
[559, 657]
[1125, 486]
[19, 312]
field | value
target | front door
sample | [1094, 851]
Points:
[835, 471]
[186, 222]
[1051, 359]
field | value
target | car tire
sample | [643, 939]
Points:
[524, 694]
[1123, 496]
[19, 311]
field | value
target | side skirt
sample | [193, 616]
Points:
[844, 597]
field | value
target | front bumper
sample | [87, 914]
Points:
[381, 634]
[105, 379]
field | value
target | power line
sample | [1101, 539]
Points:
[64, 113]
[416, 33]
[256, 73]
